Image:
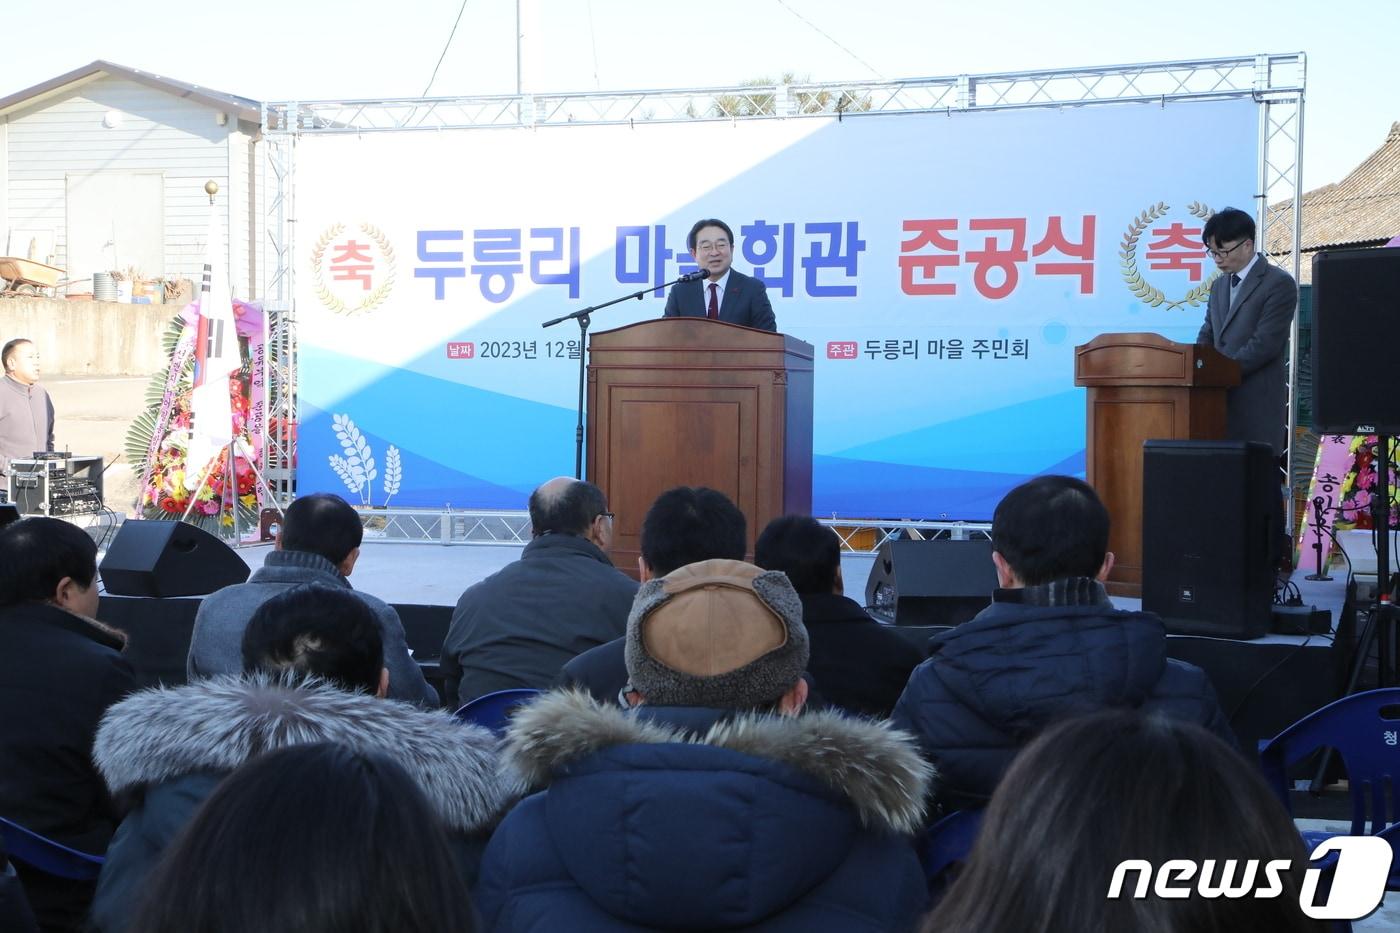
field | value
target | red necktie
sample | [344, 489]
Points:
[714, 302]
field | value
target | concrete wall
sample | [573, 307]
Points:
[89, 338]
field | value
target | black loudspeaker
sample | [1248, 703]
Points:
[156, 558]
[1208, 517]
[9, 512]
[937, 582]
[1355, 329]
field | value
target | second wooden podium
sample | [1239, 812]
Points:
[1141, 387]
[692, 402]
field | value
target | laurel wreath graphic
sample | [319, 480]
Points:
[374, 298]
[1148, 293]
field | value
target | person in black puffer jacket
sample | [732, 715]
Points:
[1049, 647]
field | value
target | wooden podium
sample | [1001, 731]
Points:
[1141, 387]
[693, 402]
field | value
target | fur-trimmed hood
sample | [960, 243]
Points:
[688, 818]
[217, 724]
[875, 767]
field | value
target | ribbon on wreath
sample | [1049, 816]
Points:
[248, 319]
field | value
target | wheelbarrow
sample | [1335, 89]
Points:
[26, 277]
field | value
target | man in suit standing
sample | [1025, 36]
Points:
[1248, 319]
[724, 295]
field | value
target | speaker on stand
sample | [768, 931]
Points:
[1356, 390]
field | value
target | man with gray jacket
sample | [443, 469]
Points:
[319, 543]
[26, 411]
[519, 626]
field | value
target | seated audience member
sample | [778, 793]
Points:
[311, 839]
[563, 596]
[711, 804]
[1095, 791]
[59, 671]
[319, 543]
[315, 673]
[857, 664]
[684, 525]
[1050, 646]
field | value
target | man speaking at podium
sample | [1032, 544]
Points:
[1249, 318]
[723, 295]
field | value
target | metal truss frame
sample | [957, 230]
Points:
[277, 191]
[448, 526]
[1275, 81]
[512, 528]
[1264, 77]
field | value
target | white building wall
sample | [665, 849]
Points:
[64, 134]
[4, 181]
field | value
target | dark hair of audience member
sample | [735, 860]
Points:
[687, 524]
[310, 839]
[322, 523]
[804, 549]
[320, 630]
[1091, 792]
[1229, 223]
[1050, 528]
[569, 512]
[37, 553]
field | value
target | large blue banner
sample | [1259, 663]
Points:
[943, 266]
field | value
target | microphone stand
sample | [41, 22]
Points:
[583, 319]
[1318, 514]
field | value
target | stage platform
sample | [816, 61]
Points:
[1263, 684]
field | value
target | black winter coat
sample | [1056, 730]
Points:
[58, 674]
[856, 664]
[992, 684]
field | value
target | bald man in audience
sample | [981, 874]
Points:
[520, 625]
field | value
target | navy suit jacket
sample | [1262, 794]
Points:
[745, 301]
[1254, 333]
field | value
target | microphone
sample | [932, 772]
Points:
[692, 276]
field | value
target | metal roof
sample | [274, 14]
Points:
[241, 107]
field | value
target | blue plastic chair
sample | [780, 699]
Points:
[1364, 730]
[494, 709]
[50, 857]
[945, 846]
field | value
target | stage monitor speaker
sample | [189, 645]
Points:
[9, 512]
[1208, 521]
[160, 558]
[1355, 331]
[936, 582]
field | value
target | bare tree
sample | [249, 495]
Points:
[764, 102]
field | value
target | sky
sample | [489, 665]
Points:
[349, 49]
